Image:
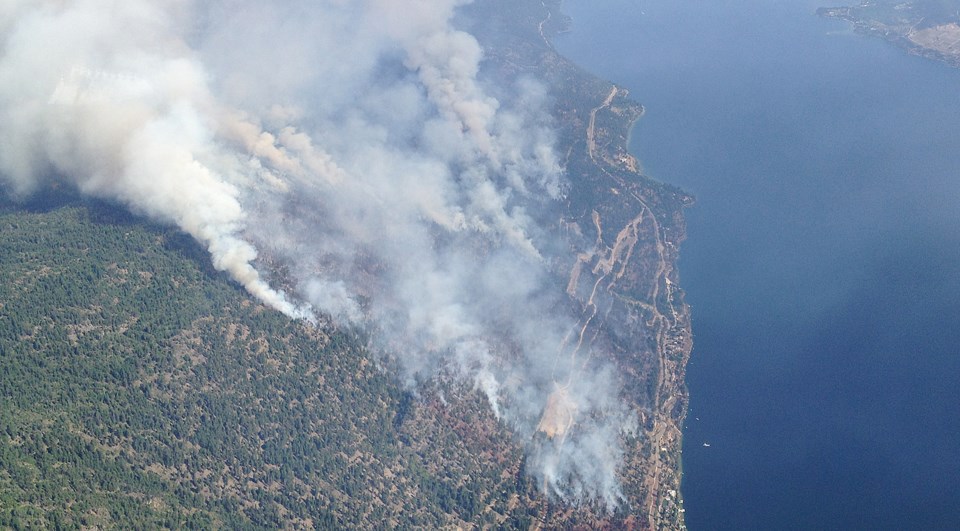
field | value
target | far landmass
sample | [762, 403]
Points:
[928, 28]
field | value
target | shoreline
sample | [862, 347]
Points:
[616, 119]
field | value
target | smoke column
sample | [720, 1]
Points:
[352, 145]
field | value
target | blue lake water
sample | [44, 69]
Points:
[822, 260]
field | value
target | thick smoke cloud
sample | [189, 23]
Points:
[338, 158]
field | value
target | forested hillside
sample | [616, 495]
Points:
[139, 389]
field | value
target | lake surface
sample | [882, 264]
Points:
[822, 261]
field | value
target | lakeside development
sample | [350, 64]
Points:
[626, 288]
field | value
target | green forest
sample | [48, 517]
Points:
[140, 388]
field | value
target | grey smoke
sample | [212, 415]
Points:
[341, 158]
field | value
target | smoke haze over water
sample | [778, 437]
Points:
[339, 157]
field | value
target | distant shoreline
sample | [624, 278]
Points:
[938, 42]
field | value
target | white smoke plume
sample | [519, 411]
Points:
[336, 157]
